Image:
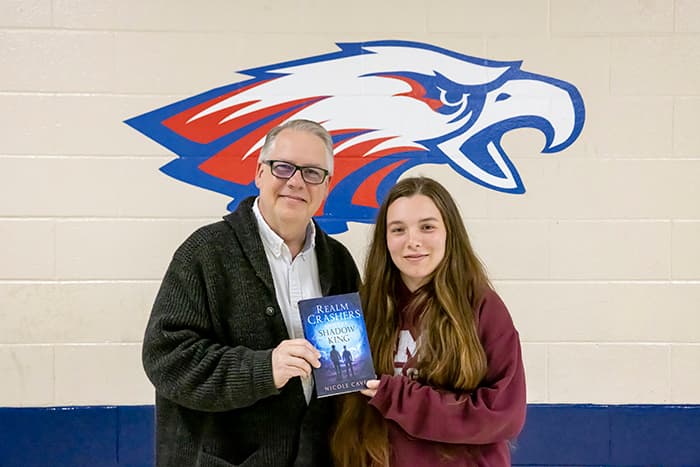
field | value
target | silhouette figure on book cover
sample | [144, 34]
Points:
[335, 356]
[328, 323]
[347, 358]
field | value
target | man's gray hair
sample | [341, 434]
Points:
[299, 125]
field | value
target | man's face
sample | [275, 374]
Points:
[290, 202]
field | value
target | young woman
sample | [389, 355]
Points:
[452, 386]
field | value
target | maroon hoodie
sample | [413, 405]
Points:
[429, 427]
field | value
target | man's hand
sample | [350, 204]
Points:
[293, 357]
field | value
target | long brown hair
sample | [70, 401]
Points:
[449, 353]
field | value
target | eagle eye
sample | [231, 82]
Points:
[452, 98]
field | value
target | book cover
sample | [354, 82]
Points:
[335, 325]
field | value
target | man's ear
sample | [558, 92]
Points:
[258, 174]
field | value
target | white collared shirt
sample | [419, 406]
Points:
[294, 278]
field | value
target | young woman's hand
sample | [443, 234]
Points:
[372, 385]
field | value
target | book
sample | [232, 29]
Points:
[335, 325]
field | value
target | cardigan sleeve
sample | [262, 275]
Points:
[493, 412]
[182, 356]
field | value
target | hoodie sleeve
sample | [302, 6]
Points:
[493, 412]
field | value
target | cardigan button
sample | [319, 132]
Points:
[269, 311]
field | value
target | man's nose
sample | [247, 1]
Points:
[296, 179]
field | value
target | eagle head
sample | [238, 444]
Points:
[389, 106]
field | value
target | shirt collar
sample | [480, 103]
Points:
[274, 242]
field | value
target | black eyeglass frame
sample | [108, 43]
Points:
[299, 168]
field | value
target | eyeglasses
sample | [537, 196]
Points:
[286, 170]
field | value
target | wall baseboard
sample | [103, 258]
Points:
[554, 435]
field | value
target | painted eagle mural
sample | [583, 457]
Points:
[389, 105]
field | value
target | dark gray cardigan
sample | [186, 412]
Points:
[208, 346]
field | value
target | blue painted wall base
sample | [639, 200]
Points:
[554, 435]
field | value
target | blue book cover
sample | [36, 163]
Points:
[335, 325]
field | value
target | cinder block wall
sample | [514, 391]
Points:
[599, 261]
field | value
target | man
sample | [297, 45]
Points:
[224, 346]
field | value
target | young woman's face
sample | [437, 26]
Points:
[415, 237]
